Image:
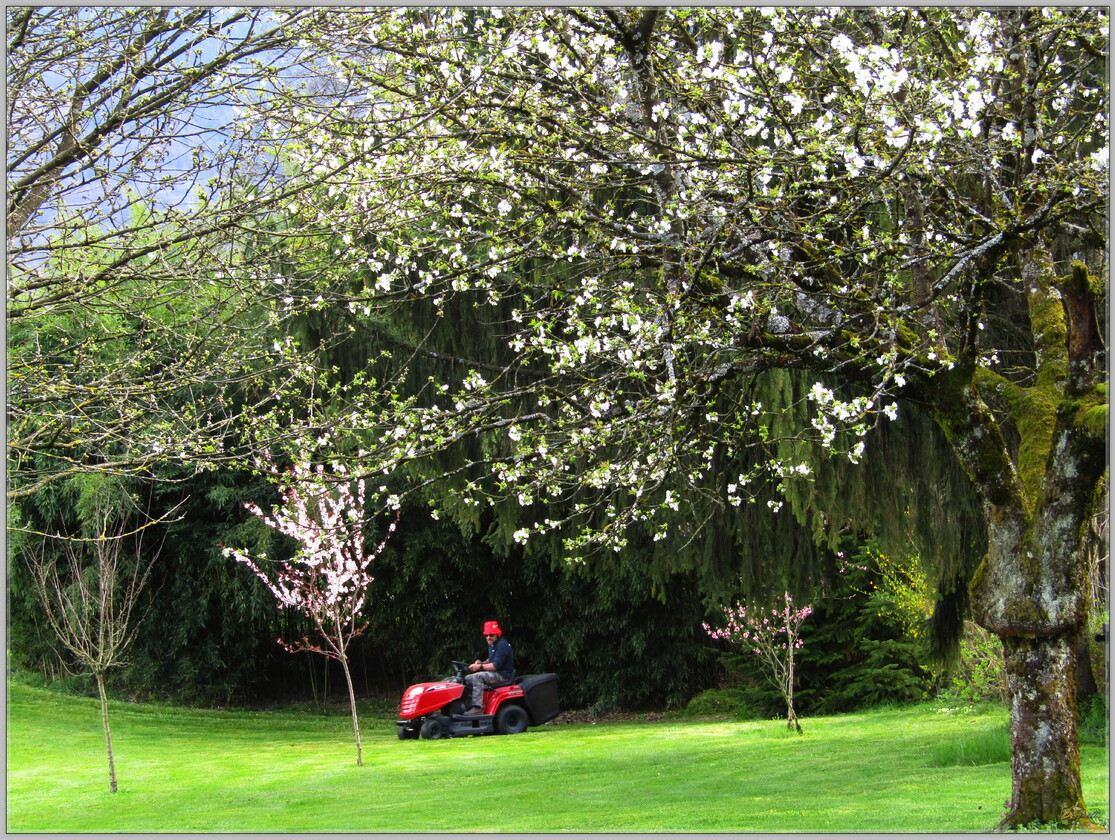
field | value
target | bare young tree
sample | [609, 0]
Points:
[146, 319]
[89, 589]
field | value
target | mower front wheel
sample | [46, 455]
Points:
[433, 729]
[407, 734]
[511, 720]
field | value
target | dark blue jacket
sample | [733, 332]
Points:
[502, 657]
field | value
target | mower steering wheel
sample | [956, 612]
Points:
[462, 667]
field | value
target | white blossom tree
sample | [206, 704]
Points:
[328, 577]
[662, 210]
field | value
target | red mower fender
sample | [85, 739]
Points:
[424, 698]
[497, 696]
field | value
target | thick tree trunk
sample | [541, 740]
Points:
[1045, 753]
[1038, 619]
[1030, 591]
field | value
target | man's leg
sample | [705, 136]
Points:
[476, 683]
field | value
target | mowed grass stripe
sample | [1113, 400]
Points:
[204, 771]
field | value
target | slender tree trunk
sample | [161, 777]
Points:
[108, 733]
[788, 691]
[352, 708]
[792, 723]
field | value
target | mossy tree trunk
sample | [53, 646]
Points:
[1037, 497]
[1045, 752]
[1030, 591]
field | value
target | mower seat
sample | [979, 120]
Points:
[509, 681]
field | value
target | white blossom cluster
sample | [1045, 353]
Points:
[783, 188]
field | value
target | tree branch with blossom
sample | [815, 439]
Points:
[773, 636]
[327, 580]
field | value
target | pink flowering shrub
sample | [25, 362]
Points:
[772, 635]
[327, 580]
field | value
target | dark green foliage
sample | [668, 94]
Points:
[947, 624]
[885, 673]
[622, 633]
[31, 644]
[856, 653]
[908, 492]
[209, 636]
[721, 702]
[66, 508]
[616, 636]
[979, 673]
[1094, 722]
[612, 643]
[617, 646]
[908, 486]
[210, 630]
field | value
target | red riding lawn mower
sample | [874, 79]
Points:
[436, 709]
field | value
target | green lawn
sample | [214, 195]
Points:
[213, 771]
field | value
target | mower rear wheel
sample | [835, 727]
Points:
[432, 729]
[511, 720]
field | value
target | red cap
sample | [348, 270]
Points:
[492, 627]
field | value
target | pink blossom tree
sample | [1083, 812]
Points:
[773, 636]
[328, 577]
